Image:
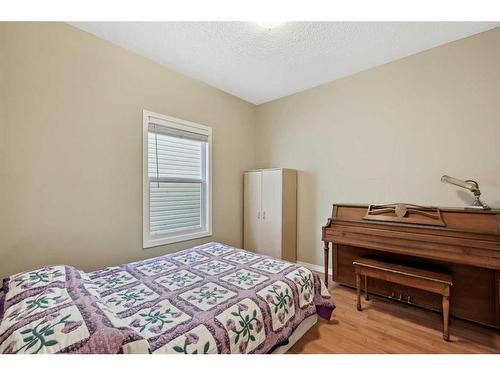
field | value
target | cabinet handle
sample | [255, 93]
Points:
[258, 215]
[264, 215]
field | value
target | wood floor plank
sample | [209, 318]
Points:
[389, 327]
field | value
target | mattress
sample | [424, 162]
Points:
[212, 298]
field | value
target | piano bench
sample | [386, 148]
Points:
[435, 282]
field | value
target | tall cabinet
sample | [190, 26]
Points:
[270, 213]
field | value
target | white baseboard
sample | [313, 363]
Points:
[314, 267]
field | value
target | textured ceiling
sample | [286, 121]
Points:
[260, 65]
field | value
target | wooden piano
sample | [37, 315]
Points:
[463, 241]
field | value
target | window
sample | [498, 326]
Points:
[176, 180]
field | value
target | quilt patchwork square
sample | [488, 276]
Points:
[271, 265]
[244, 279]
[190, 258]
[199, 340]
[153, 321]
[178, 280]
[131, 297]
[207, 296]
[304, 281]
[114, 280]
[41, 302]
[49, 334]
[214, 267]
[217, 249]
[156, 268]
[34, 279]
[241, 257]
[279, 298]
[244, 325]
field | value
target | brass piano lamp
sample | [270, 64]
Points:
[470, 185]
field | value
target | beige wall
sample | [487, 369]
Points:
[71, 174]
[389, 133]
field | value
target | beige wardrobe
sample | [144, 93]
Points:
[270, 212]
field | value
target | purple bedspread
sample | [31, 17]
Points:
[208, 299]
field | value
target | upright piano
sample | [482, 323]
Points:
[466, 242]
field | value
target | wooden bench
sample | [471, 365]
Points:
[419, 278]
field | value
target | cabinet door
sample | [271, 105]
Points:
[252, 210]
[271, 213]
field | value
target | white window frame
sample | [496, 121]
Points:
[175, 123]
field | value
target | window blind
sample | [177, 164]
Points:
[177, 176]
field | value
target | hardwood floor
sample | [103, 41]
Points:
[388, 327]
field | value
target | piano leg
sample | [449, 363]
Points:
[358, 291]
[446, 313]
[326, 249]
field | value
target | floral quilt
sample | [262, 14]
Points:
[208, 299]
[48, 310]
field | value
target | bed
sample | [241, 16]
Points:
[212, 298]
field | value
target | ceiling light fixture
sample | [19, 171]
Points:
[269, 24]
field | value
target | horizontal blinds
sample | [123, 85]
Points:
[178, 133]
[176, 175]
[172, 157]
[174, 206]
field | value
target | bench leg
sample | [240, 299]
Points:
[446, 313]
[366, 288]
[358, 291]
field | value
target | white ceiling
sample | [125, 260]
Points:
[259, 65]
